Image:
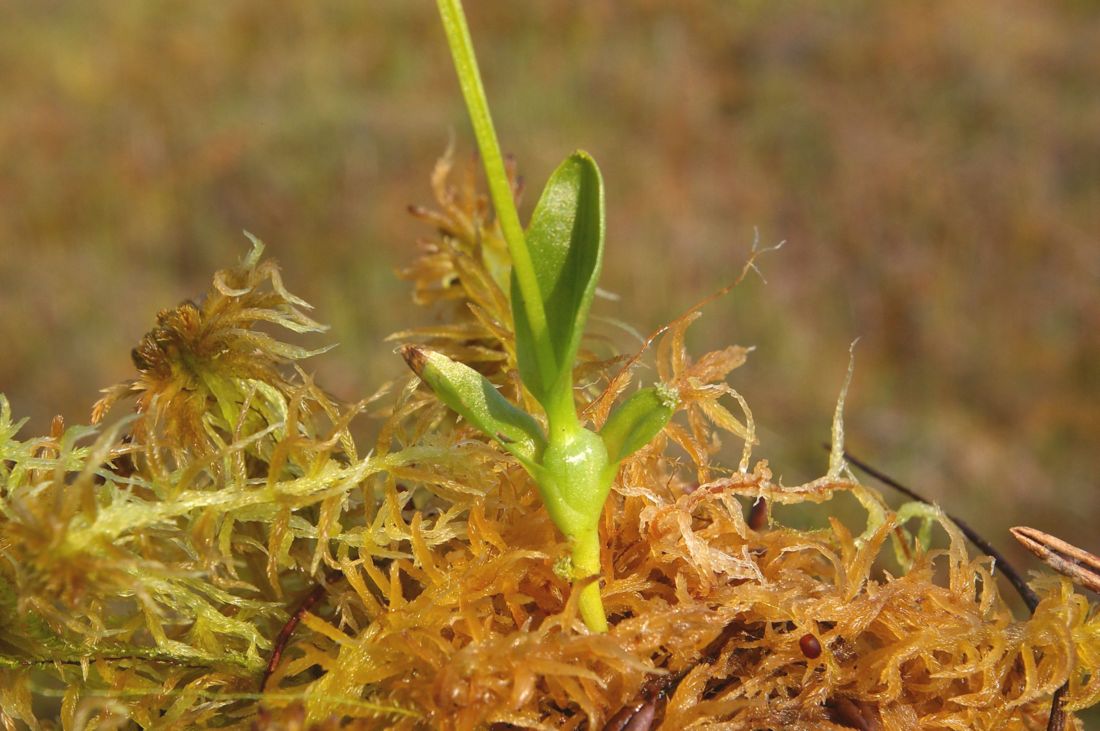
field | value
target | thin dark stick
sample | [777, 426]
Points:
[1057, 719]
[647, 711]
[281, 641]
[1031, 599]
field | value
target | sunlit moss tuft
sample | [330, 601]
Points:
[206, 361]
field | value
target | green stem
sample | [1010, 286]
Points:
[500, 190]
[586, 563]
[583, 456]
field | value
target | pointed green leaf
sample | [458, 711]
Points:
[477, 400]
[565, 238]
[638, 420]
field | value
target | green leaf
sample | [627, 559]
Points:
[477, 400]
[565, 239]
[640, 418]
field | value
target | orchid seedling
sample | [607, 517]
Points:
[555, 268]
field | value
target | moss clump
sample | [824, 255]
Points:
[226, 556]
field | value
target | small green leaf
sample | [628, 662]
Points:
[475, 399]
[640, 418]
[565, 238]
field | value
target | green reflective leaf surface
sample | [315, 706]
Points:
[565, 238]
[477, 400]
[638, 420]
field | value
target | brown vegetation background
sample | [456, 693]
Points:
[934, 168]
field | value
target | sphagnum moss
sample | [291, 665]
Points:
[226, 556]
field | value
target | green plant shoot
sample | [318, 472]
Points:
[555, 267]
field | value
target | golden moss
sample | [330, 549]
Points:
[197, 365]
[155, 568]
[707, 613]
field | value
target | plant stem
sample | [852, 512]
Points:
[586, 465]
[586, 563]
[500, 190]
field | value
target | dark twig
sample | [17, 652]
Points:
[307, 603]
[646, 712]
[1031, 599]
[1057, 718]
[1082, 567]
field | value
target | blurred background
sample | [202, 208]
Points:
[934, 168]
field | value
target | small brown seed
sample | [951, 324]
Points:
[810, 646]
[758, 514]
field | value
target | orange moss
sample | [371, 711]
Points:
[476, 629]
[148, 577]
